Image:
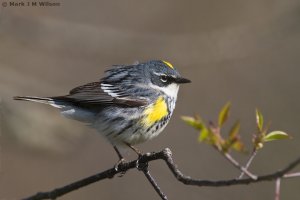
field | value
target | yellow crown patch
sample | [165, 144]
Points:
[168, 64]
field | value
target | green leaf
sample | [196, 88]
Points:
[275, 135]
[195, 122]
[224, 113]
[204, 134]
[259, 120]
[234, 130]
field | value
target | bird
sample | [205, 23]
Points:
[131, 104]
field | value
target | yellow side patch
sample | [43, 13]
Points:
[169, 64]
[155, 112]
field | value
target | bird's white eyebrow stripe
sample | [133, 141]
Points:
[159, 74]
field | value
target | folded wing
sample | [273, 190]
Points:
[97, 93]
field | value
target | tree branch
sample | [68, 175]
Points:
[238, 166]
[277, 189]
[144, 168]
[292, 175]
[253, 154]
[165, 155]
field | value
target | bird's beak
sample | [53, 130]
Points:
[181, 80]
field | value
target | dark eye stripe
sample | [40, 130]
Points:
[167, 79]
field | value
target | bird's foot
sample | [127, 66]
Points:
[141, 165]
[117, 167]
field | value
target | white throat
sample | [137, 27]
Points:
[171, 90]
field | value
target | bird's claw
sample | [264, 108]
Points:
[140, 166]
[117, 167]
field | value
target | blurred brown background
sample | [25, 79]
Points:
[243, 51]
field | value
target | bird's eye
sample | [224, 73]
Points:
[164, 78]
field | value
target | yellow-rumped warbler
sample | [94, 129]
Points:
[129, 105]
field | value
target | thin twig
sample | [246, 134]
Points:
[277, 189]
[253, 154]
[237, 165]
[292, 175]
[144, 168]
[165, 155]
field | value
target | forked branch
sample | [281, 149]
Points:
[165, 155]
